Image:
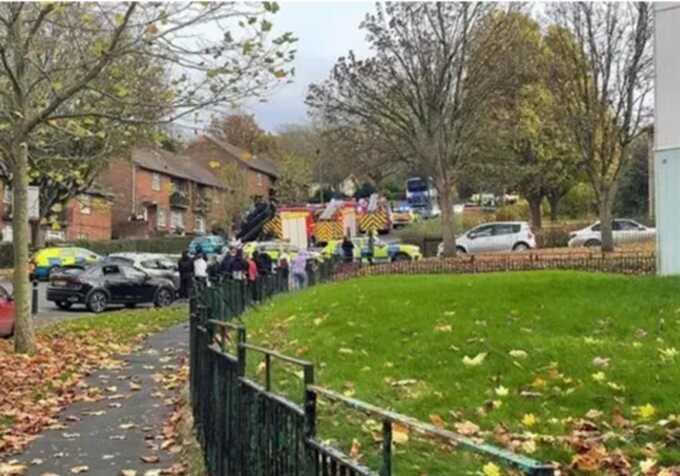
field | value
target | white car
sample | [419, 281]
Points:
[495, 237]
[155, 264]
[623, 229]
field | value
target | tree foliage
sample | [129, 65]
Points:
[603, 82]
[430, 79]
[64, 64]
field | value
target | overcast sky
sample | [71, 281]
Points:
[326, 30]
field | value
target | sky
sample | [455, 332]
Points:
[326, 30]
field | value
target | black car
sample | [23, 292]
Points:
[108, 283]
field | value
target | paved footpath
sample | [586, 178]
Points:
[114, 433]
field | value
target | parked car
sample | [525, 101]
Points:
[382, 252]
[157, 265]
[108, 283]
[495, 237]
[403, 214]
[47, 259]
[7, 313]
[208, 244]
[624, 231]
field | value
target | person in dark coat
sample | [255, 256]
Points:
[347, 249]
[227, 263]
[186, 275]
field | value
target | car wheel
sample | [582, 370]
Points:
[64, 305]
[592, 243]
[97, 302]
[401, 257]
[164, 297]
[461, 250]
[520, 247]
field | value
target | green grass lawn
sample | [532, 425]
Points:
[551, 349]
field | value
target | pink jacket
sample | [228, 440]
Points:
[252, 270]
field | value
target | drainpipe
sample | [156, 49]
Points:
[134, 188]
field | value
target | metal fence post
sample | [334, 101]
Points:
[34, 298]
[310, 419]
[386, 469]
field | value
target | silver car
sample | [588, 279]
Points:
[624, 231]
[495, 237]
[155, 264]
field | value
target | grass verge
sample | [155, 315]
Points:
[570, 367]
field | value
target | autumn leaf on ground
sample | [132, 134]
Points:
[150, 459]
[80, 469]
[466, 428]
[645, 412]
[443, 328]
[491, 469]
[355, 450]
[437, 420]
[474, 361]
[529, 420]
[399, 433]
[9, 469]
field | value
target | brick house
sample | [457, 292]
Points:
[157, 192]
[86, 217]
[261, 173]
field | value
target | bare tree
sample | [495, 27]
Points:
[53, 57]
[424, 89]
[604, 82]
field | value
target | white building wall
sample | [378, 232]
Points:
[667, 136]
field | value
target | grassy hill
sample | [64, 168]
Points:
[561, 366]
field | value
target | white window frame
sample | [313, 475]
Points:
[156, 182]
[199, 224]
[161, 218]
[7, 195]
[259, 179]
[176, 219]
[85, 204]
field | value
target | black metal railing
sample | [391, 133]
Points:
[246, 428]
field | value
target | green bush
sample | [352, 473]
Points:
[579, 202]
[556, 236]
[169, 244]
[518, 211]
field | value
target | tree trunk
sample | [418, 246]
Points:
[448, 224]
[535, 211]
[37, 235]
[24, 338]
[554, 200]
[606, 234]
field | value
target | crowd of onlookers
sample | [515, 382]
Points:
[239, 267]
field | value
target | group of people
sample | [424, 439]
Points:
[235, 265]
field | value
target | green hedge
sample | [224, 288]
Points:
[172, 245]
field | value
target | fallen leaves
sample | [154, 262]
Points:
[474, 361]
[645, 412]
[80, 469]
[36, 388]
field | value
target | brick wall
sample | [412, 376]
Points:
[259, 184]
[118, 179]
[95, 225]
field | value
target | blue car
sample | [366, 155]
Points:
[209, 244]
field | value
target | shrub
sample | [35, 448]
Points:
[518, 211]
[168, 244]
[556, 236]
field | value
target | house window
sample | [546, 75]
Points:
[7, 195]
[85, 204]
[156, 182]
[161, 221]
[82, 236]
[199, 225]
[259, 179]
[177, 219]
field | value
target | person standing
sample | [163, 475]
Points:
[300, 269]
[371, 247]
[347, 249]
[186, 275]
[252, 275]
[201, 270]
